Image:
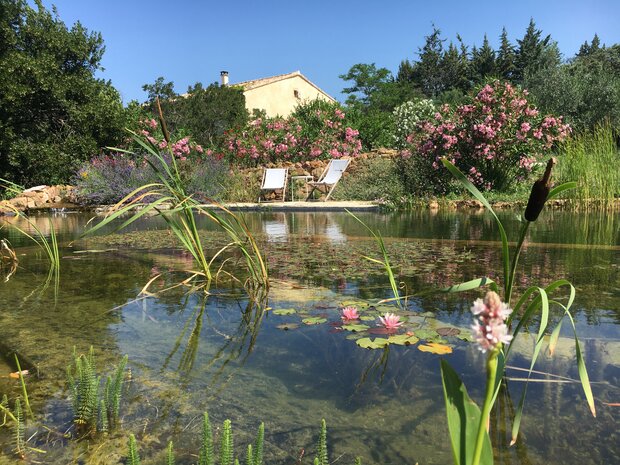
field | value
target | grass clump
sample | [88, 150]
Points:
[592, 159]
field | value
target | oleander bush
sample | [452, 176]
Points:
[314, 133]
[497, 140]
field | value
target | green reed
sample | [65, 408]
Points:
[10, 189]
[49, 246]
[592, 159]
[467, 423]
[169, 199]
[94, 409]
[385, 263]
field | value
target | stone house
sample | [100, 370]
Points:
[278, 95]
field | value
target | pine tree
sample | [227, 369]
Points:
[530, 52]
[483, 61]
[505, 63]
[428, 70]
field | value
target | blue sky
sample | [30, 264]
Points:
[192, 41]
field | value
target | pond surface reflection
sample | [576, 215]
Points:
[190, 352]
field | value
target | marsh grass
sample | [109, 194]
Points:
[169, 199]
[593, 160]
[9, 189]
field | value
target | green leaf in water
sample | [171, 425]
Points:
[284, 311]
[377, 343]
[314, 320]
[287, 326]
[355, 328]
[403, 340]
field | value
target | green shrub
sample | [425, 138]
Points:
[371, 179]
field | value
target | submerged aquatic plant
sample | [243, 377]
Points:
[254, 454]
[94, 411]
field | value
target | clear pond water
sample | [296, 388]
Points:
[191, 352]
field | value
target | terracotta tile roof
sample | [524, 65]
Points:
[255, 83]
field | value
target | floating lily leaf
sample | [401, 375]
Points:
[428, 314]
[381, 330]
[435, 348]
[314, 320]
[426, 334]
[354, 336]
[403, 340]
[355, 328]
[377, 343]
[466, 336]
[287, 326]
[448, 331]
[284, 311]
[354, 303]
[368, 318]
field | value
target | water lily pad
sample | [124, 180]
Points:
[284, 311]
[403, 340]
[354, 336]
[355, 328]
[426, 334]
[381, 330]
[466, 336]
[448, 331]
[435, 348]
[368, 318]
[367, 343]
[314, 320]
[287, 326]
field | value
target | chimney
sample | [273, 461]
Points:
[224, 78]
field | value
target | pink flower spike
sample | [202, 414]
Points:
[349, 314]
[489, 328]
[390, 321]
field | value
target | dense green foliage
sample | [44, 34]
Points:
[204, 113]
[584, 89]
[54, 112]
[592, 159]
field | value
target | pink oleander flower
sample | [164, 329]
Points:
[490, 329]
[390, 321]
[349, 314]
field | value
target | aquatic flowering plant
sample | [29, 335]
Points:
[489, 328]
[349, 314]
[496, 140]
[491, 331]
[390, 321]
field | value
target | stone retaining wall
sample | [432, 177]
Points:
[40, 197]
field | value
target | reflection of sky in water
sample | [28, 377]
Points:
[292, 379]
[388, 409]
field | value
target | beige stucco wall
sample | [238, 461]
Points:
[278, 98]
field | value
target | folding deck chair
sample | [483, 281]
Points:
[330, 177]
[274, 179]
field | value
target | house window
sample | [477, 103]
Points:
[296, 94]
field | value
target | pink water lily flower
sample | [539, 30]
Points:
[390, 321]
[349, 314]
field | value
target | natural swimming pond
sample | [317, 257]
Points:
[190, 353]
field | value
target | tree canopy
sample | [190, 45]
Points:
[54, 112]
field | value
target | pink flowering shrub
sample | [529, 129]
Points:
[495, 140]
[273, 140]
[180, 144]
